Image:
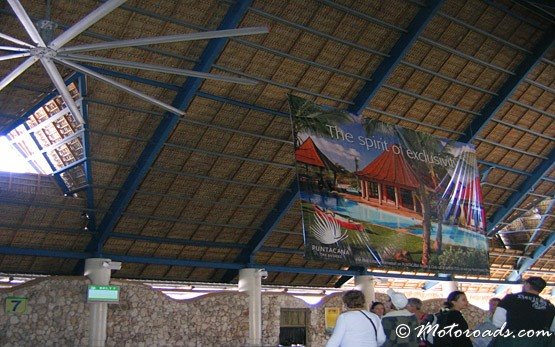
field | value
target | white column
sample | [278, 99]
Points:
[365, 283]
[98, 270]
[367, 188]
[251, 283]
[363, 192]
[449, 286]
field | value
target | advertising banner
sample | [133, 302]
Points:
[383, 196]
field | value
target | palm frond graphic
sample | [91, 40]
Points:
[327, 231]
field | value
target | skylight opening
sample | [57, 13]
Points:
[50, 141]
[11, 160]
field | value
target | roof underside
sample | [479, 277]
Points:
[195, 198]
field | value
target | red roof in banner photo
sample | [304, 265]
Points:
[308, 153]
[391, 168]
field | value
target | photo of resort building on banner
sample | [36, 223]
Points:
[379, 195]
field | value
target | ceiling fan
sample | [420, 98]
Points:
[56, 51]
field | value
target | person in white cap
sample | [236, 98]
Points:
[399, 324]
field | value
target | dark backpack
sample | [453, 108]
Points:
[433, 320]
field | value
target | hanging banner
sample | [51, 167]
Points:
[382, 196]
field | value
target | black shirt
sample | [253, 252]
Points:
[526, 311]
[458, 337]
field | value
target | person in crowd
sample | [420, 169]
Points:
[378, 308]
[414, 306]
[483, 340]
[525, 312]
[399, 315]
[456, 301]
[356, 327]
[493, 303]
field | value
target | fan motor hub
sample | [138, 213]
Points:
[43, 52]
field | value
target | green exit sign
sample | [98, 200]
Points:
[97, 293]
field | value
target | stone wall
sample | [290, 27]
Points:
[57, 315]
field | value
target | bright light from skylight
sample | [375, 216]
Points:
[11, 160]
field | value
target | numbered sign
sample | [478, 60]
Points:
[16, 305]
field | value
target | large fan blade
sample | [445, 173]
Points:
[27, 23]
[166, 39]
[18, 71]
[85, 23]
[62, 88]
[123, 87]
[14, 56]
[16, 41]
[157, 68]
[14, 49]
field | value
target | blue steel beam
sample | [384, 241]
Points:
[546, 3]
[335, 272]
[525, 264]
[43, 253]
[224, 265]
[503, 167]
[173, 87]
[132, 78]
[23, 118]
[70, 166]
[539, 228]
[87, 165]
[517, 197]
[431, 284]
[173, 241]
[398, 51]
[345, 278]
[538, 10]
[428, 285]
[57, 178]
[233, 102]
[271, 221]
[496, 102]
[173, 262]
[164, 129]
